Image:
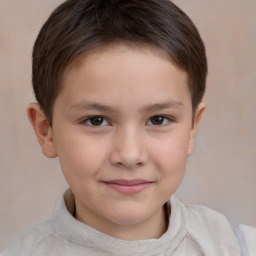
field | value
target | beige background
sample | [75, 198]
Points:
[220, 174]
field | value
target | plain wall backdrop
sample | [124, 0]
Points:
[220, 174]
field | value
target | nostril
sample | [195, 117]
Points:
[128, 151]
[127, 162]
[140, 164]
[129, 165]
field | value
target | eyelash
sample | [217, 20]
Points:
[88, 121]
[166, 120]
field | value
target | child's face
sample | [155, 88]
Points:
[122, 129]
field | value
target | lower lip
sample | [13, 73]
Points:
[128, 189]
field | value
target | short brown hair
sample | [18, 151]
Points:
[78, 26]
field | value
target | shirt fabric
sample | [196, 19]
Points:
[193, 230]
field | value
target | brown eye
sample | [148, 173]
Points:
[158, 120]
[96, 121]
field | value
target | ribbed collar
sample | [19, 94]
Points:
[78, 233]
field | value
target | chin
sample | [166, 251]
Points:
[128, 217]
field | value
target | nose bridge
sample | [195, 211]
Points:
[129, 147]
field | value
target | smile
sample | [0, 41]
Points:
[128, 186]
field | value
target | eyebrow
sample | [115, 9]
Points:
[147, 108]
[164, 105]
[92, 106]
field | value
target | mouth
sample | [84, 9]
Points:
[128, 186]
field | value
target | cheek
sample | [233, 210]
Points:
[171, 169]
[80, 158]
[171, 154]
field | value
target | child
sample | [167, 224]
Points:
[119, 86]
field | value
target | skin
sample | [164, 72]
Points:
[143, 130]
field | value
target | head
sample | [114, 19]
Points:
[119, 86]
[78, 27]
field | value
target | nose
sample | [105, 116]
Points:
[129, 149]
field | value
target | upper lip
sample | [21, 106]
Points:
[127, 182]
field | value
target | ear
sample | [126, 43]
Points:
[42, 129]
[198, 113]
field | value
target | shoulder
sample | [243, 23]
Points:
[211, 231]
[207, 218]
[39, 240]
[250, 237]
[213, 226]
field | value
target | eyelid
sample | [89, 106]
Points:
[167, 119]
[87, 119]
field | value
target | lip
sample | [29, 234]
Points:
[128, 186]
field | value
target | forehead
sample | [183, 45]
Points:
[123, 71]
[123, 49]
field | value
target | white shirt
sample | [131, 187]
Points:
[192, 231]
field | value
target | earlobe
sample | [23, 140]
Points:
[198, 115]
[42, 129]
